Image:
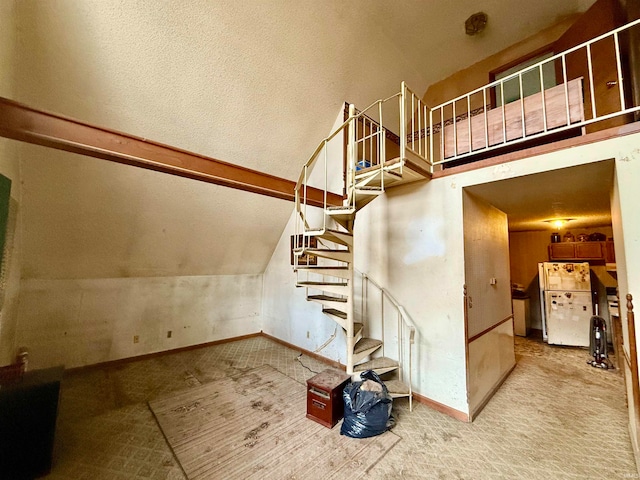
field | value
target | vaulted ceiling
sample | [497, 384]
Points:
[258, 83]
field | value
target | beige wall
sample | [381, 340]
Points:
[477, 75]
[88, 218]
[8, 45]
[9, 167]
[94, 231]
[110, 251]
[250, 71]
[86, 321]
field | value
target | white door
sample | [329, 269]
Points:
[568, 318]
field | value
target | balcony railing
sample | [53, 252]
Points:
[563, 94]
[560, 93]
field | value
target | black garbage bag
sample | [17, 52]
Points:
[367, 407]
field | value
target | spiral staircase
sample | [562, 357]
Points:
[324, 240]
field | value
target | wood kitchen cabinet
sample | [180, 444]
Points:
[562, 251]
[609, 253]
[589, 251]
[583, 251]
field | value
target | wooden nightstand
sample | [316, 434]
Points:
[324, 397]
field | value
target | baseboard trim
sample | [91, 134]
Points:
[452, 412]
[490, 394]
[147, 356]
[308, 353]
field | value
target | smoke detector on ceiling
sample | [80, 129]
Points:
[475, 23]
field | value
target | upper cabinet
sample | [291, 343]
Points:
[609, 253]
[584, 251]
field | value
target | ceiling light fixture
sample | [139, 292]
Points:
[558, 223]
[475, 23]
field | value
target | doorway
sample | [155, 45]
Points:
[583, 195]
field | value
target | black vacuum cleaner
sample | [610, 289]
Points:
[598, 340]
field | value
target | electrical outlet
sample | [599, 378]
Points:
[136, 339]
[307, 333]
[169, 334]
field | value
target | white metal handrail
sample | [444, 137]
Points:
[423, 122]
[369, 138]
[416, 115]
[461, 121]
[406, 330]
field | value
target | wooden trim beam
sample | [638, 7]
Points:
[487, 330]
[26, 124]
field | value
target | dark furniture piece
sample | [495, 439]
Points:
[28, 411]
[324, 397]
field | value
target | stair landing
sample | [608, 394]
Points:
[413, 169]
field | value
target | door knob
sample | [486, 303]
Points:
[611, 83]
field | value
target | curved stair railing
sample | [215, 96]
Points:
[323, 240]
[404, 329]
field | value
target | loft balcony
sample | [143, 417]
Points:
[581, 90]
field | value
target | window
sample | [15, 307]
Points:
[530, 79]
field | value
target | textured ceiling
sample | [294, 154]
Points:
[257, 83]
[581, 193]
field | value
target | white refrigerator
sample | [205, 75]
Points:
[566, 303]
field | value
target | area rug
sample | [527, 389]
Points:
[254, 426]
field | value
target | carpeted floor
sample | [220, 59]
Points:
[254, 426]
[553, 418]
